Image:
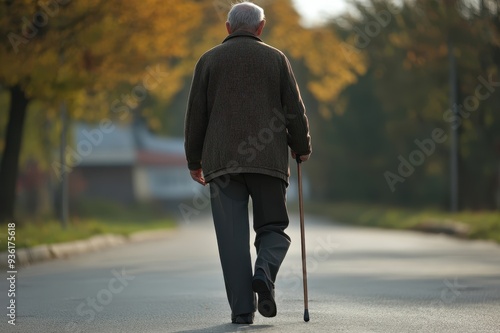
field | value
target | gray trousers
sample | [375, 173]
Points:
[229, 199]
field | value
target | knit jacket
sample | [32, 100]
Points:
[244, 111]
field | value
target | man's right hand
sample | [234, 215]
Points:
[303, 158]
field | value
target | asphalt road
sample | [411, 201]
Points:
[360, 280]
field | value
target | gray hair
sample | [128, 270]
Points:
[245, 16]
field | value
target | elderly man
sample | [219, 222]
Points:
[244, 110]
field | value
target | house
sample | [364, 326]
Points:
[129, 164]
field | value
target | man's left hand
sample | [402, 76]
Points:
[197, 176]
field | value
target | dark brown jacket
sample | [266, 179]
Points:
[244, 110]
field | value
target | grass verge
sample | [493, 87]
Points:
[49, 232]
[94, 218]
[473, 225]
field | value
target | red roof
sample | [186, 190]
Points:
[155, 158]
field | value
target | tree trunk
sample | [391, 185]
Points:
[10, 158]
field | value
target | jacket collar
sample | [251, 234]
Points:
[241, 33]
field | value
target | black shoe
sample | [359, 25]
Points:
[246, 318]
[266, 304]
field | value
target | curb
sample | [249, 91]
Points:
[27, 256]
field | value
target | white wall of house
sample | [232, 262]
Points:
[163, 183]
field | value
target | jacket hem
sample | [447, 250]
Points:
[270, 172]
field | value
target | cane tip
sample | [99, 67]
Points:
[306, 315]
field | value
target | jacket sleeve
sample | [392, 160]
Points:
[196, 120]
[297, 123]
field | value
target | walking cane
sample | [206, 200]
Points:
[302, 239]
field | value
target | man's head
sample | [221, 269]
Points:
[246, 16]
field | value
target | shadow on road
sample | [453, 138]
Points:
[227, 328]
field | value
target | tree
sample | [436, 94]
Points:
[408, 56]
[83, 51]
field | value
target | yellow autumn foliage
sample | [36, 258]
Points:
[93, 45]
[88, 49]
[329, 70]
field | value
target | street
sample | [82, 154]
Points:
[360, 280]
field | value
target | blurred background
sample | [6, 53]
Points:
[402, 96]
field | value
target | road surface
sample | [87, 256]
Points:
[360, 280]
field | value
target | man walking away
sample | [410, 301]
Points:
[243, 113]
